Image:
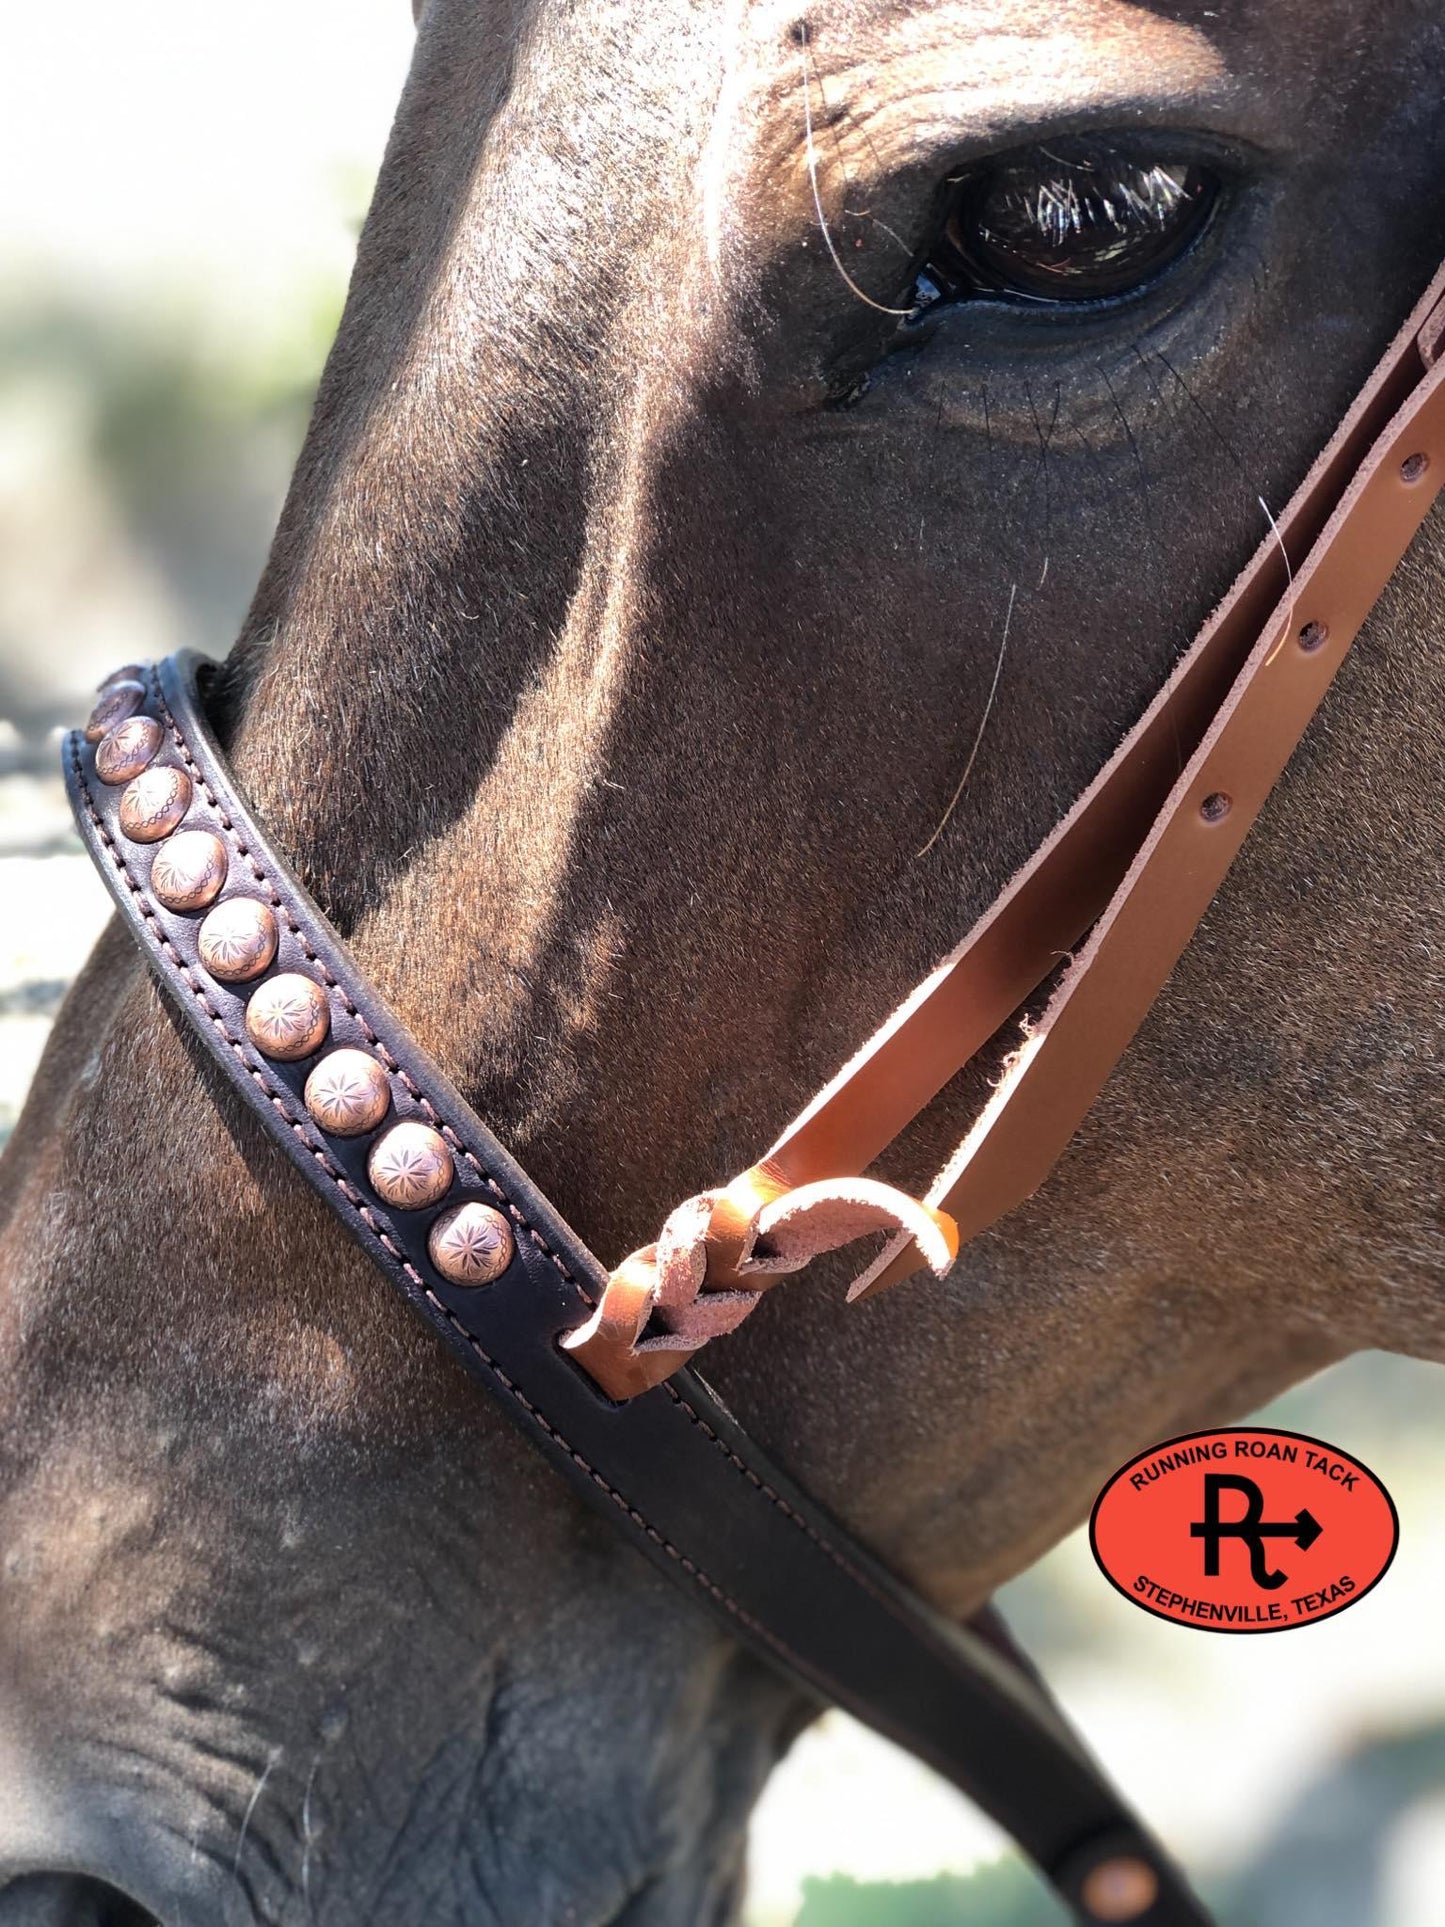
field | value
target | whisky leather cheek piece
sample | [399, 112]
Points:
[591, 1365]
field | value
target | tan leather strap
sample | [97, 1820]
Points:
[1139, 858]
[1108, 990]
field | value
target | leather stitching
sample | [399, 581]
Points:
[789, 1512]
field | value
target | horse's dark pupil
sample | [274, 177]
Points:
[1051, 226]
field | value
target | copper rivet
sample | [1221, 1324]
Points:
[411, 1166]
[188, 871]
[153, 803]
[124, 751]
[288, 1017]
[117, 701]
[347, 1093]
[471, 1245]
[129, 672]
[238, 939]
[1120, 1889]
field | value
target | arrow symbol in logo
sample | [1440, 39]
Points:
[1307, 1529]
[1251, 1526]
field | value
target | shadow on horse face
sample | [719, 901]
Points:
[660, 558]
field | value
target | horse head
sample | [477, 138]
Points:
[768, 460]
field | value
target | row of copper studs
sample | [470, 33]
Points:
[288, 1016]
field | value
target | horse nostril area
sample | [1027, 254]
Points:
[69, 1900]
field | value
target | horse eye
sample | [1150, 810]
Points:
[1057, 225]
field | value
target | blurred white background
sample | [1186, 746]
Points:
[183, 186]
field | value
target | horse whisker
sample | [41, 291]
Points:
[982, 726]
[823, 229]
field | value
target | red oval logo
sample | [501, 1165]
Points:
[1248, 1530]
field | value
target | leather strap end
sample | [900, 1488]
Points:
[815, 1218]
[905, 1254]
[899, 1259]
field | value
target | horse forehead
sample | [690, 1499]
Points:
[892, 81]
[627, 49]
[1008, 55]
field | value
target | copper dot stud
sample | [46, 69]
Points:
[117, 701]
[347, 1093]
[188, 871]
[129, 672]
[411, 1166]
[123, 752]
[471, 1245]
[153, 803]
[238, 939]
[1120, 1889]
[288, 1017]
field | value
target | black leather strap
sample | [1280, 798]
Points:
[670, 1468]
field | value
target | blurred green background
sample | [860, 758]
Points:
[183, 191]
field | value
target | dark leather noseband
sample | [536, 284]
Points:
[418, 1180]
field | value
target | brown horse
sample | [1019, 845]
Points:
[744, 422]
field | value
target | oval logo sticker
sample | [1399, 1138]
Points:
[1247, 1530]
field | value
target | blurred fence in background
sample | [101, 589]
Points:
[186, 187]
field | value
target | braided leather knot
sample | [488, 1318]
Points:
[720, 1251]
